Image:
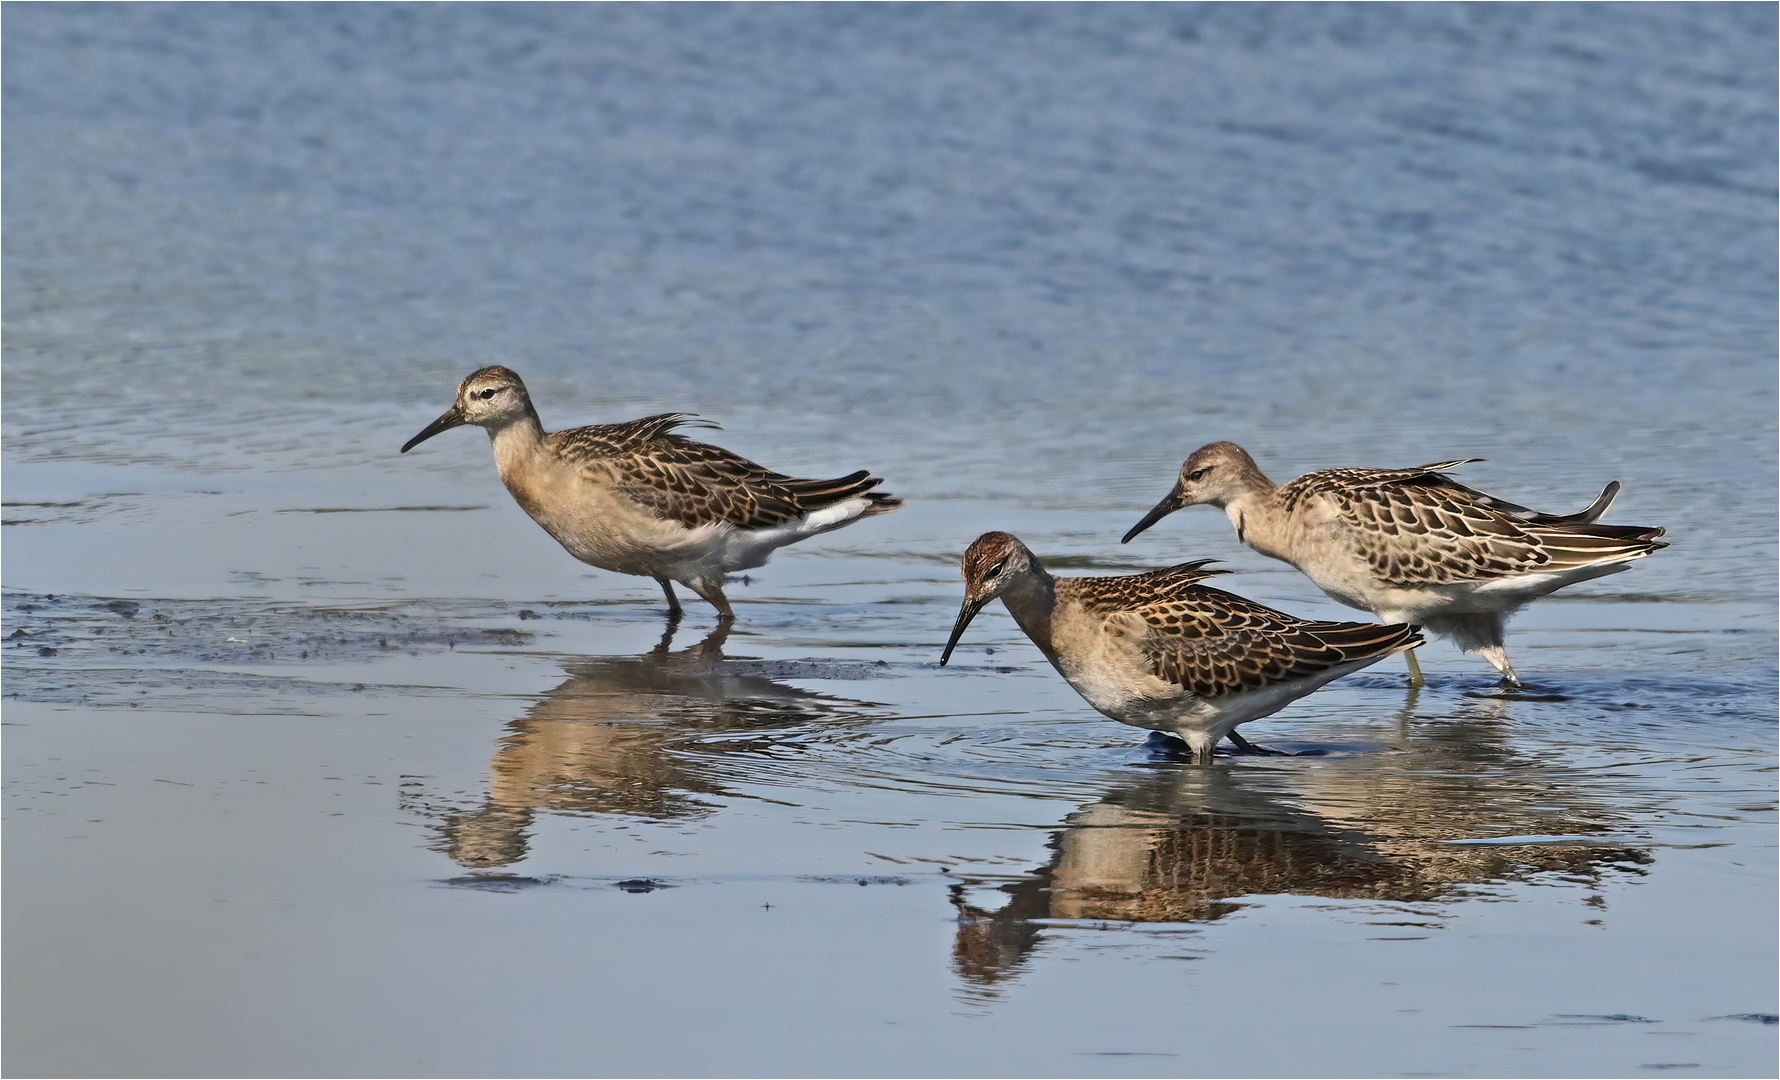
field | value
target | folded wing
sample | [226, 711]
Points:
[696, 483]
[1419, 527]
[1213, 643]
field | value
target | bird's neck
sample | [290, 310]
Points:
[1031, 601]
[517, 443]
[1259, 520]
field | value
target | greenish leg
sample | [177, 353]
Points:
[1415, 670]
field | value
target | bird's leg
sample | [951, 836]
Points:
[1243, 746]
[712, 592]
[1416, 681]
[1201, 744]
[673, 601]
[1498, 658]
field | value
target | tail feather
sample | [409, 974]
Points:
[881, 503]
[816, 494]
[1587, 544]
[1364, 641]
[1587, 515]
[1528, 516]
[841, 486]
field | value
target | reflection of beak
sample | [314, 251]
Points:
[1169, 504]
[454, 417]
[965, 614]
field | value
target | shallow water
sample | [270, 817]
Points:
[324, 760]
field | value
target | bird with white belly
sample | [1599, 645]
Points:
[638, 498]
[1410, 545]
[1164, 652]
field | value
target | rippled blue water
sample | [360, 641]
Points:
[349, 792]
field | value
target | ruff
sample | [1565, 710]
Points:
[1411, 545]
[1160, 650]
[636, 498]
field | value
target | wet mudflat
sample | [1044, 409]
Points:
[323, 760]
[455, 835]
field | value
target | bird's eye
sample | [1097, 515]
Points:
[1198, 474]
[995, 570]
[486, 394]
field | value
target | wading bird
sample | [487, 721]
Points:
[1163, 652]
[636, 498]
[1410, 545]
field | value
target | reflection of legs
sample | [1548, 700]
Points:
[712, 645]
[1407, 712]
[1415, 669]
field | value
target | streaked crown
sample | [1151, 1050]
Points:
[992, 562]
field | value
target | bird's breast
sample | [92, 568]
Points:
[1102, 658]
[596, 524]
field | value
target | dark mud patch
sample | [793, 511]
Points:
[517, 883]
[815, 668]
[1750, 1018]
[187, 689]
[496, 883]
[1585, 1019]
[246, 631]
[1517, 695]
[110, 650]
[642, 885]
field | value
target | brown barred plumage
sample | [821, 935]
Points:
[1213, 643]
[639, 498]
[1410, 545]
[696, 483]
[1163, 651]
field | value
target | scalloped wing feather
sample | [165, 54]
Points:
[696, 483]
[1213, 643]
[1419, 527]
[1219, 644]
[1133, 591]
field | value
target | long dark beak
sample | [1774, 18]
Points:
[454, 417]
[965, 614]
[1167, 506]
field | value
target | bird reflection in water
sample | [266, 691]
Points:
[1182, 845]
[638, 736]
